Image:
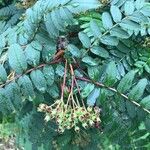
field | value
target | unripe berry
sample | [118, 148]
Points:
[77, 129]
[89, 109]
[98, 119]
[60, 130]
[97, 109]
[91, 122]
[47, 118]
[85, 125]
[41, 107]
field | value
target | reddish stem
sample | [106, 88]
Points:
[64, 81]
[72, 72]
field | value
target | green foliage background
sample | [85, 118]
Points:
[110, 42]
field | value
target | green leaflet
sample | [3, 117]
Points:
[94, 72]
[116, 13]
[107, 20]
[113, 2]
[147, 68]
[95, 28]
[100, 51]
[17, 58]
[139, 4]
[84, 39]
[49, 74]
[12, 37]
[32, 55]
[26, 86]
[109, 40]
[3, 74]
[56, 18]
[60, 70]
[129, 8]
[120, 3]
[130, 25]
[14, 94]
[119, 33]
[138, 90]
[38, 80]
[131, 109]
[90, 61]
[74, 50]
[87, 90]
[52, 30]
[92, 97]
[53, 91]
[3, 42]
[36, 45]
[146, 11]
[147, 123]
[6, 105]
[126, 82]
[110, 74]
[146, 102]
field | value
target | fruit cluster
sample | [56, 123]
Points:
[67, 117]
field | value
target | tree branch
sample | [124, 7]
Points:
[30, 70]
[113, 90]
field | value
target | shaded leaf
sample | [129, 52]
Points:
[146, 102]
[91, 99]
[84, 39]
[138, 90]
[87, 90]
[74, 50]
[126, 82]
[3, 74]
[38, 80]
[17, 58]
[26, 86]
[49, 74]
[90, 61]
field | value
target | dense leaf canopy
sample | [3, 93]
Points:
[99, 49]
